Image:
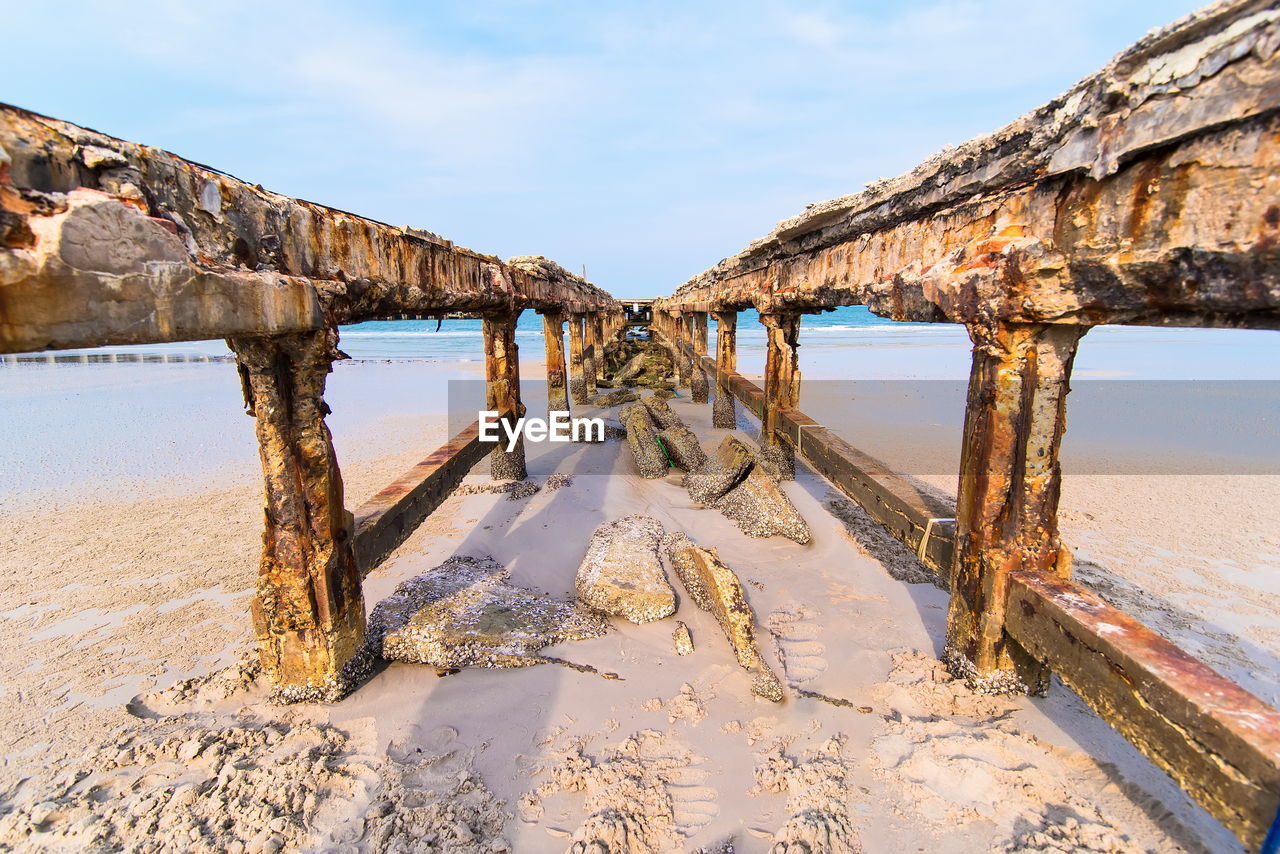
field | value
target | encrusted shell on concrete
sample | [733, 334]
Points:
[682, 639]
[650, 458]
[715, 588]
[754, 501]
[464, 613]
[622, 573]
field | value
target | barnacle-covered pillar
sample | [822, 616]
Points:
[590, 352]
[781, 386]
[1007, 506]
[577, 347]
[724, 411]
[680, 326]
[502, 391]
[308, 610]
[698, 377]
[598, 333]
[553, 335]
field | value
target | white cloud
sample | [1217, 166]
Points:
[645, 139]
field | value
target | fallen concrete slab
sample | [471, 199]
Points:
[464, 613]
[715, 588]
[683, 448]
[736, 483]
[642, 438]
[622, 574]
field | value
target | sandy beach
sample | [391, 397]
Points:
[130, 556]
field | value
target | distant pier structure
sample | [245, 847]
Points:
[1148, 194]
[638, 312]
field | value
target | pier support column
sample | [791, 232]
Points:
[308, 610]
[680, 323]
[577, 348]
[502, 390]
[597, 321]
[590, 353]
[557, 387]
[781, 386]
[1007, 507]
[724, 411]
[698, 377]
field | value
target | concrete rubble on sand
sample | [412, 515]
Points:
[642, 438]
[661, 412]
[683, 448]
[639, 364]
[464, 613]
[751, 499]
[715, 588]
[622, 573]
[614, 398]
[683, 640]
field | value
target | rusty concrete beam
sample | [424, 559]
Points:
[587, 364]
[577, 360]
[387, 519]
[1218, 741]
[1145, 195]
[502, 392]
[724, 412]
[781, 384]
[104, 241]
[698, 378]
[553, 340]
[1007, 500]
[308, 609]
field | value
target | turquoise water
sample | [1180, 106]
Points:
[460, 340]
[848, 343]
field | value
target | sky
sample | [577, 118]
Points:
[643, 141]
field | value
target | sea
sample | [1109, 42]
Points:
[849, 342]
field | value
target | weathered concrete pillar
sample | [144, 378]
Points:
[597, 320]
[724, 412]
[1007, 508]
[308, 610]
[680, 324]
[557, 386]
[502, 390]
[590, 354]
[577, 347]
[698, 377]
[781, 386]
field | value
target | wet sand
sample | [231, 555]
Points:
[114, 589]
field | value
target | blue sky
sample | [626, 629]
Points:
[643, 140]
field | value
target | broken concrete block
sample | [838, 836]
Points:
[630, 370]
[622, 574]
[683, 448]
[660, 411]
[777, 462]
[683, 640]
[642, 438]
[614, 398]
[715, 588]
[730, 466]
[463, 613]
[756, 503]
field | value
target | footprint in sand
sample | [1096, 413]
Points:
[643, 795]
[795, 632]
[817, 793]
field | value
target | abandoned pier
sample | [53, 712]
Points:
[1148, 194]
